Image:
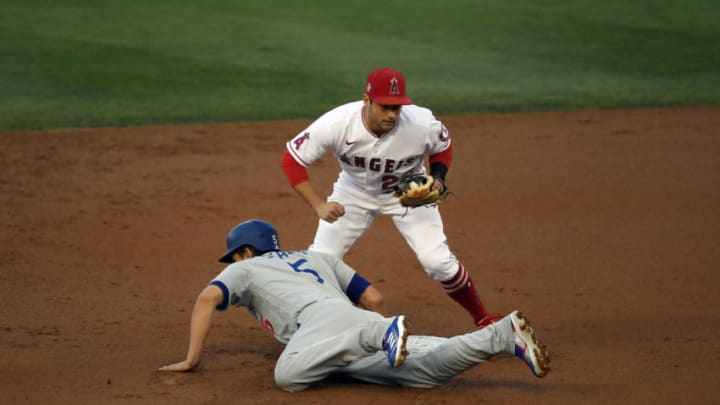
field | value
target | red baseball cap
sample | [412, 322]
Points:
[387, 87]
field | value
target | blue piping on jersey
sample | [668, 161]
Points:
[357, 286]
[226, 295]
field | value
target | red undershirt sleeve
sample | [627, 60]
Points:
[444, 157]
[440, 163]
[294, 172]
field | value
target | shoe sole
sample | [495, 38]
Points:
[403, 328]
[538, 352]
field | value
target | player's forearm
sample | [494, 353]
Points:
[308, 193]
[440, 163]
[298, 178]
[372, 300]
[438, 170]
[199, 328]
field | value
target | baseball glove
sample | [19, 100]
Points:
[420, 190]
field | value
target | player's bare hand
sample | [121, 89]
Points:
[330, 211]
[181, 366]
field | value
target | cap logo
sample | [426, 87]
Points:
[394, 89]
[386, 87]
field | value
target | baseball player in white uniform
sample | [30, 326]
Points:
[377, 141]
[307, 299]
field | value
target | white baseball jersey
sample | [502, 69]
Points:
[277, 286]
[370, 163]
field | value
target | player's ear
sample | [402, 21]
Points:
[243, 253]
[248, 252]
[237, 256]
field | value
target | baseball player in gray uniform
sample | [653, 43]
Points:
[377, 141]
[308, 299]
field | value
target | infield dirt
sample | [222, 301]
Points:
[602, 226]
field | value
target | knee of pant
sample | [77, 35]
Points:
[289, 381]
[438, 265]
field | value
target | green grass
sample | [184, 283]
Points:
[105, 63]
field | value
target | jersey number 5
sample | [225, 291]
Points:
[297, 267]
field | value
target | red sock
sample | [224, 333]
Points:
[461, 289]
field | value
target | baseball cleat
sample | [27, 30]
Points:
[394, 343]
[528, 347]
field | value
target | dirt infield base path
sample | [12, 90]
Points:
[603, 226]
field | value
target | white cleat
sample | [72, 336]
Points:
[528, 347]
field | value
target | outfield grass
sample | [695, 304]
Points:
[67, 63]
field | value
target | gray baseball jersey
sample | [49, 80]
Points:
[277, 286]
